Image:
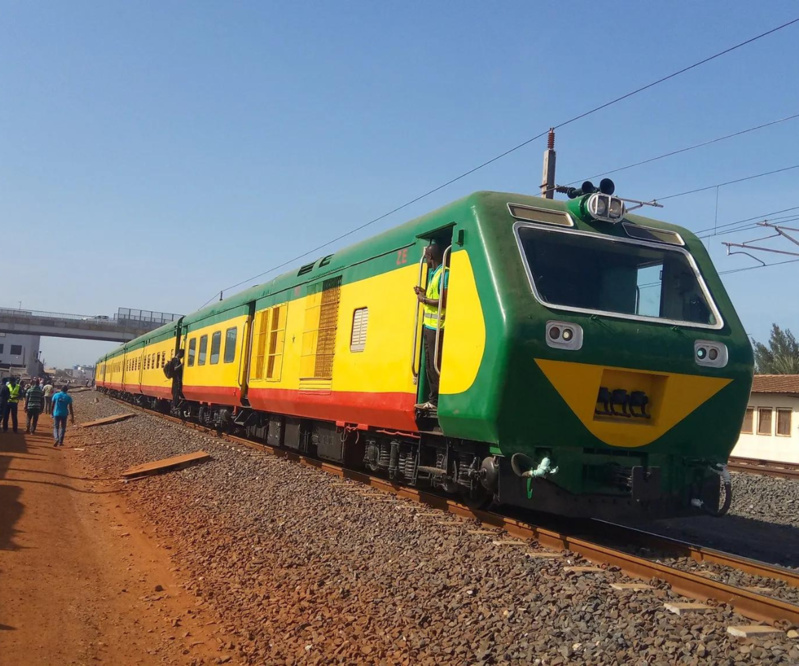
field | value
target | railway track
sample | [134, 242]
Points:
[751, 604]
[765, 467]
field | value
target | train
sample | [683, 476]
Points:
[593, 363]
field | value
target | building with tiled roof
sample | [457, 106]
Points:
[769, 430]
[786, 384]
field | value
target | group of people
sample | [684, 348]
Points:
[37, 397]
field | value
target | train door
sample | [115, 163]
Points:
[429, 322]
[245, 353]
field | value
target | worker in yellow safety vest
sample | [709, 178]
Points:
[11, 404]
[434, 301]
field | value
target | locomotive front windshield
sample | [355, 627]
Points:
[596, 274]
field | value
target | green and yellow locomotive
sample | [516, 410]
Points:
[593, 364]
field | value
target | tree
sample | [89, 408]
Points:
[781, 357]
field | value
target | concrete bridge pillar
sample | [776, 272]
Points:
[32, 365]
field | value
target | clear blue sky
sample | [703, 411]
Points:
[152, 153]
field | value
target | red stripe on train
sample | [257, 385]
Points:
[385, 410]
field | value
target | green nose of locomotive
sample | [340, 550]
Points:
[627, 368]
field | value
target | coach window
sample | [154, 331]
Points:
[216, 343]
[192, 351]
[784, 422]
[764, 421]
[360, 322]
[230, 344]
[203, 350]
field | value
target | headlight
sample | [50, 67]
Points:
[605, 208]
[564, 335]
[710, 354]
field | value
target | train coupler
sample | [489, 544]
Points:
[646, 484]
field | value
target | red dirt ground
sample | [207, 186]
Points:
[81, 581]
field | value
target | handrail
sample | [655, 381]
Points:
[414, 355]
[441, 283]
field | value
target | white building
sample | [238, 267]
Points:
[19, 351]
[771, 427]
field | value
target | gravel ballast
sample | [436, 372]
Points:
[306, 568]
[762, 524]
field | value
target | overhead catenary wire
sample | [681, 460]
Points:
[751, 268]
[687, 148]
[748, 227]
[505, 153]
[711, 231]
[729, 182]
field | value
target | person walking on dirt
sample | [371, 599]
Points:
[11, 405]
[62, 406]
[48, 397]
[34, 402]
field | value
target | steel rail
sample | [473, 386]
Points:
[699, 553]
[749, 604]
[780, 470]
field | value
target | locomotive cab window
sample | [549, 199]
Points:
[192, 351]
[595, 274]
[230, 344]
[203, 350]
[216, 344]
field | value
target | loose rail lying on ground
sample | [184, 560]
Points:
[749, 604]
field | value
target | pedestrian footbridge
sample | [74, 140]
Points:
[122, 327]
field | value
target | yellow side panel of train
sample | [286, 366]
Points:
[205, 366]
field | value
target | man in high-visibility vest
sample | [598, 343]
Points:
[433, 299]
[11, 405]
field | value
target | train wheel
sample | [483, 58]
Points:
[478, 498]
